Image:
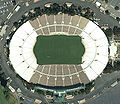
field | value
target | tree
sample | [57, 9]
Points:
[117, 65]
[72, 10]
[16, 24]
[65, 8]
[80, 8]
[38, 11]
[23, 19]
[47, 10]
[108, 68]
[118, 19]
[107, 12]
[55, 8]
[0, 68]
[116, 8]
[106, 1]
[116, 30]
[108, 32]
[21, 99]
[83, 12]
[7, 97]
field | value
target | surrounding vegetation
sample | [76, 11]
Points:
[58, 49]
[109, 68]
[115, 31]
[54, 9]
[6, 97]
[116, 7]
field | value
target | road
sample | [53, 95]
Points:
[110, 96]
[104, 19]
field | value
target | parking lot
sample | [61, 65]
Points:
[115, 2]
[111, 7]
[5, 7]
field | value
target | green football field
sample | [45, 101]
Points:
[58, 49]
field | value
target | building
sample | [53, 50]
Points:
[93, 61]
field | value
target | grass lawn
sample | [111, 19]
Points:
[2, 96]
[3, 100]
[58, 49]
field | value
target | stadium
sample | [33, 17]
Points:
[59, 50]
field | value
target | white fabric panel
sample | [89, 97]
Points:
[16, 60]
[102, 50]
[97, 65]
[21, 68]
[90, 73]
[27, 45]
[89, 50]
[28, 74]
[26, 50]
[34, 65]
[34, 35]
[30, 41]
[27, 55]
[86, 64]
[102, 59]
[27, 26]
[90, 27]
[86, 37]
[101, 42]
[30, 60]
[16, 41]
[21, 34]
[15, 51]
[97, 34]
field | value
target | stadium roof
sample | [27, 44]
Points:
[94, 59]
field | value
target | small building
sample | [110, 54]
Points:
[98, 4]
[3, 30]
[48, 5]
[11, 88]
[69, 97]
[81, 101]
[113, 50]
[38, 101]
[19, 90]
[26, 13]
[35, 1]
[68, 4]
[92, 89]
[114, 84]
[49, 97]
[104, 27]
[102, 9]
[17, 8]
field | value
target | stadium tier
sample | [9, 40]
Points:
[24, 61]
